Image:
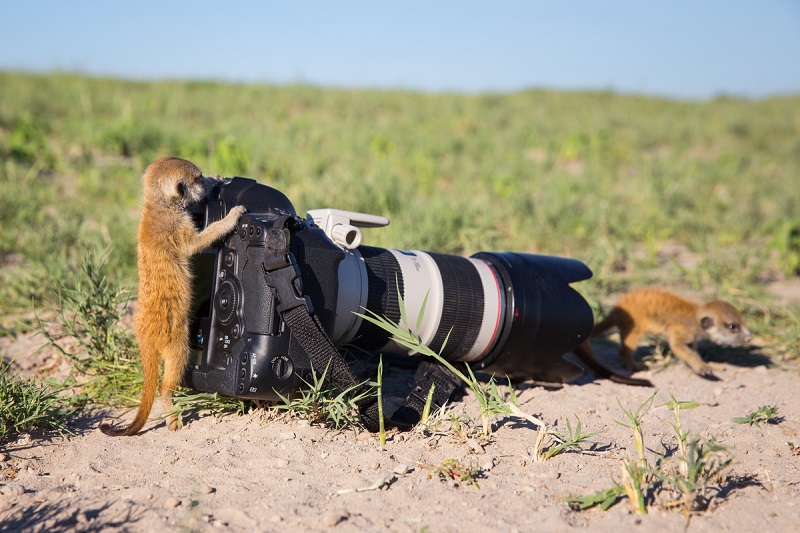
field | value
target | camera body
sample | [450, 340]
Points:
[504, 313]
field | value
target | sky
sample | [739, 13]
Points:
[683, 49]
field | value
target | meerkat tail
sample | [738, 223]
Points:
[604, 325]
[150, 371]
[586, 355]
[625, 380]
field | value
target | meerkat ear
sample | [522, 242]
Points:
[180, 188]
[706, 322]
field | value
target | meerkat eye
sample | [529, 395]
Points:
[734, 327]
[180, 188]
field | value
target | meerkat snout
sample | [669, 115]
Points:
[723, 324]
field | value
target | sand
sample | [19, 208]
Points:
[265, 472]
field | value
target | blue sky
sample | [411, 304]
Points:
[681, 49]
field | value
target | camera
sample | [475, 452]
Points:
[504, 313]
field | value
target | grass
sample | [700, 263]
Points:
[562, 443]
[608, 179]
[766, 414]
[379, 392]
[320, 403]
[457, 471]
[616, 181]
[26, 405]
[491, 401]
[559, 163]
[106, 368]
[687, 481]
[190, 401]
[488, 396]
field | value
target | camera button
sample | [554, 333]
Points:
[229, 259]
[281, 367]
[222, 340]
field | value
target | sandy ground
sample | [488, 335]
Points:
[260, 472]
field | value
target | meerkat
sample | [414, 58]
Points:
[683, 322]
[167, 238]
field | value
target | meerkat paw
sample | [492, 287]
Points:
[237, 211]
[706, 372]
[232, 218]
[174, 422]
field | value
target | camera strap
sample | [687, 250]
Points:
[282, 274]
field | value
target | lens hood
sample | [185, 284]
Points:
[545, 317]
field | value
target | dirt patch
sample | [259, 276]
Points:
[256, 472]
[787, 290]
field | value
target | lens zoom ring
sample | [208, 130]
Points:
[382, 271]
[463, 306]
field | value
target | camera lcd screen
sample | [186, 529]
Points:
[203, 265]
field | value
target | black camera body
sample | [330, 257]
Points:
[504, 313]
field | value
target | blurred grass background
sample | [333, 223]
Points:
[698, 197]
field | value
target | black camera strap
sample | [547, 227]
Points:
[282, 274]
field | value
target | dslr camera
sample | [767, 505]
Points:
[509, 314]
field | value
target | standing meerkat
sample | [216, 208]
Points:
[167, 239]
[683, 323]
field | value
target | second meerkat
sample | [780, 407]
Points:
[167, 238]
[683, 322]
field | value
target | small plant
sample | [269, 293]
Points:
[636, 477]
[701, 463]
[24, 405]
[704, 463]
[680, 435]
[319, 403]
[106, 369]
[635, 419]
[604, 498]
[426, 410]
[457, 471]
[766, 414]
[187, 400]
[379, 386]
[571, 440]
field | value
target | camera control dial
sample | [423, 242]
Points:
[226, 301]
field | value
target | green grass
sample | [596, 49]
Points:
[26, 405]
[766, 414]
[687, 481]
[105, 361]
[490, 400]
[606, 178]
[320, 403]
[616, 181]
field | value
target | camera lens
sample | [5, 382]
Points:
[545, 317]
[507, 312]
